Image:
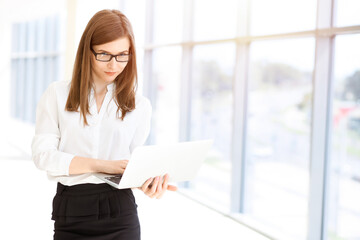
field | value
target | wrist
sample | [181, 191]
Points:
[97, 165]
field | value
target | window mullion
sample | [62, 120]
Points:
[320, 123]
[239, 116]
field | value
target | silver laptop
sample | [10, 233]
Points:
[181, 161]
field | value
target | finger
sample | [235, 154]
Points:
[166, 180]
[164, 186]
[172, 188]
[145, 186]
[152, 190]
[159, 189]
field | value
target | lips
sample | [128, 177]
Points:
[110, 73]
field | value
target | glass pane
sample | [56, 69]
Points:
[50, 34]
[15, 37]
[344, 191]
[31, 33]
[211, 117]
[40, 77]
[166, 108]
[279, 16]
[20, 88]
[29, 114]
[215, 19]
[278, 134]
[348, 12]
[40, 35]
[14, 86]
[22, 36]
[168, 21]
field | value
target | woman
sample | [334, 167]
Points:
[92, 125]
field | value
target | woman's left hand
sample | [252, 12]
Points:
[156, 187]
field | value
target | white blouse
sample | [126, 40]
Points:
[61, 135]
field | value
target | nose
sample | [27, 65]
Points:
[112, 63]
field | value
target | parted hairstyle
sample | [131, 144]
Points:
[105, 26]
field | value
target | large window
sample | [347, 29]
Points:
[257, 77]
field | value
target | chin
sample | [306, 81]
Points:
[110, 79]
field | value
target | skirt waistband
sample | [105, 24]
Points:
[84, 189]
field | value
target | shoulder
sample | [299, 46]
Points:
[57, 89]
[142, 102]
[59, 86]
[56, 92]
[143, 105]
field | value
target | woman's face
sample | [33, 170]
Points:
[106, 72]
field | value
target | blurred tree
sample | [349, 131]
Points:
[212, 104]
[213, 80]
[213, 83]
[278, 74]
[352, 87]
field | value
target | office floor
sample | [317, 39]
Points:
[26, 199]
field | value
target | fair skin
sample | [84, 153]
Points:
[104, 73]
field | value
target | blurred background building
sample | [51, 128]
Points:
[275, 83]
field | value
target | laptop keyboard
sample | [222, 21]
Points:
[115, 179]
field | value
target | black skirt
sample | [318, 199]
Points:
[95, 211]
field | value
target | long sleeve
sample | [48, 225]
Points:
[45, 153]
[143, 128]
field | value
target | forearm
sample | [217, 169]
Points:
[80, 165]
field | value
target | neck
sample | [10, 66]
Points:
[100, 88]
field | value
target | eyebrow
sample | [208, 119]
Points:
[100, 50]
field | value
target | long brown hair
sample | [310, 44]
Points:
[105, 26]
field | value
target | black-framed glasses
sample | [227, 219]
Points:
[105, 57]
